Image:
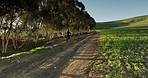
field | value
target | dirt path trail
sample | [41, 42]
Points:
[71, 60]
[79, 65]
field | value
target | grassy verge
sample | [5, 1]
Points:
[124, 54]
[25, 48]
[38, 47]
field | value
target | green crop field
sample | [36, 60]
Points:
[123, 48]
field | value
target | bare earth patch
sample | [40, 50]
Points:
[70, 60]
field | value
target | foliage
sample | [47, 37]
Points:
[27, 19]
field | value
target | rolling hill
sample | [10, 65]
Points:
[140, 21]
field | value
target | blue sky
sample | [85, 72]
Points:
[110, 10]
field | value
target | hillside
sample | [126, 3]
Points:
[131, 22]
[134, 19]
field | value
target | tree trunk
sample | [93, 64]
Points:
[51, 35]
[5, 41]
[6, 35]
[14, 43]
[47, 35]
[3, 45]
[6, 44]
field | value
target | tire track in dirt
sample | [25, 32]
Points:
[73, 62]
[78, 65]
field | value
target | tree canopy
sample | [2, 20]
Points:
[31, 17]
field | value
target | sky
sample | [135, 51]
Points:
[111, 10]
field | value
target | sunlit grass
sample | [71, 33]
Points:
[56, 45]
[126, 51]
[41, 38]
[91, 32]
[38, 49]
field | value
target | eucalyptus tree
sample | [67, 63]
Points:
[69, 15]
[29, 18]
[10, 12]
[88, 21]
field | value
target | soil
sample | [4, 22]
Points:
[72, 59]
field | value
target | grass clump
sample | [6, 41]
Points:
[37, 49]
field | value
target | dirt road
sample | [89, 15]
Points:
[71, 60]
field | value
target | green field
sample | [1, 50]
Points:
[125, 48]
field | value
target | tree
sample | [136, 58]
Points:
[27, 19]
[10, 10]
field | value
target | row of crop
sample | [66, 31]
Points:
[125, 53]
